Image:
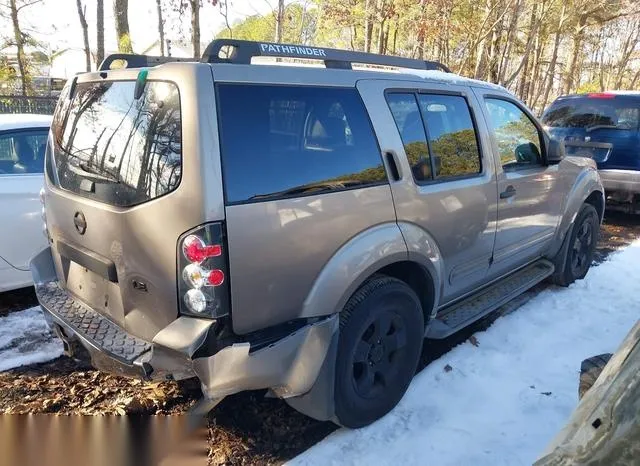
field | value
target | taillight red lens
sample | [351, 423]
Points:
[216, 277]
[196, 251]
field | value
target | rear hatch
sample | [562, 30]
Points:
[602, 126]
[120, 193]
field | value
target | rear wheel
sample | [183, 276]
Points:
[381, 333]
[582, 245]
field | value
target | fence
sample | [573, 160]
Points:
[27, 104]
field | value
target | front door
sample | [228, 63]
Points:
[447, 179]
[530, 195]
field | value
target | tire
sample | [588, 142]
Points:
[590, 370]
[581, 247]
[381, 334]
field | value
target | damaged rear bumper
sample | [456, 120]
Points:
[288, 366]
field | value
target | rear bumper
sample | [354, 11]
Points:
[620, 180]
[288, 367]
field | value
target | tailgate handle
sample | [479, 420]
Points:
[89, 260]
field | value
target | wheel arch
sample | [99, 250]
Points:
[383, 249]
[587, 188]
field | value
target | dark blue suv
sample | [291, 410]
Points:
[605, 127]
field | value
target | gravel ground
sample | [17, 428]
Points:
[244, 429]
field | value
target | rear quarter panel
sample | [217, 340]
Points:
[278, 249]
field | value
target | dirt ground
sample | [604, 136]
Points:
[244, 429]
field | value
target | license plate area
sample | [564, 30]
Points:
[95, 291]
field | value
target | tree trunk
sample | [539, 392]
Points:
[368, 26]
[160, 26]
[577, 48]
[381, 38]
[195, 28]
[25, 76]
[554, 57]
[279, 20]
[99, 31]
[85, 34]
[121, 15]
[506, 51]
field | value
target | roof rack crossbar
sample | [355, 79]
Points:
[133, 60]
[242, 51]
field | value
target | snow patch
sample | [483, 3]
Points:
[506, 399]
[26, 339]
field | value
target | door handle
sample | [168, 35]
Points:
[509, 192]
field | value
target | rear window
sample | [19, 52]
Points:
[590, 112]
[115, 149]
[287, 141]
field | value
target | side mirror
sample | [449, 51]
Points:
[555, 151]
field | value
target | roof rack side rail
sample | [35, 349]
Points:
[242, 51]
[133, 60]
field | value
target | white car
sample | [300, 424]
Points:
[23, 139]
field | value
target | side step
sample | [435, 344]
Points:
[463, 313]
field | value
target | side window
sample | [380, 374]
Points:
[628, 118]
[452, 136]
[406, 114]
[22, 152]
[287, 141]
[517, 136]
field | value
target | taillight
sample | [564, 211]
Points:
[601, 95]
[202, 263]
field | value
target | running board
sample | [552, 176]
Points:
[463, 313]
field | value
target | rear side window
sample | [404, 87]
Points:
[449, 148]
[288, 141]
[115, 149]
[22, 151]
[452, 137]
[593, 113]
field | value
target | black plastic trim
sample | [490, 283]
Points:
[98, 264]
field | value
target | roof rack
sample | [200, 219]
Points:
[133, 60]
[242, 51]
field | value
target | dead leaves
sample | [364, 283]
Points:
[89, 392]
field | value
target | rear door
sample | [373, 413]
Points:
[602, 126]
[447, 179]
[303, 176]
[530, 192]
[21, 166]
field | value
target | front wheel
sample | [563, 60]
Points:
[381, 333]
[582, 245]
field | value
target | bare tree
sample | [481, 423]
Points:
[121, 14]
[82, 11]
[99, 31]
[195, 27]
[20, 41]
[279, 20]
[160, 26]
[224, 11]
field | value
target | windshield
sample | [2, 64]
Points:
[593, 113]
[116, 149]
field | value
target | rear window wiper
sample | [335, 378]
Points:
[588, 129]
[308, 188]
[86, 170]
